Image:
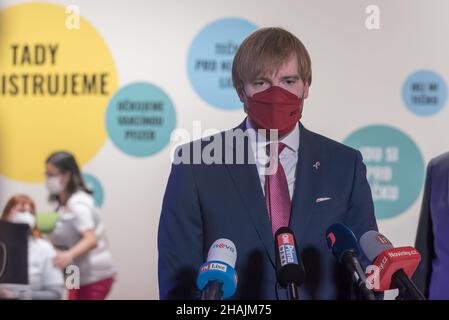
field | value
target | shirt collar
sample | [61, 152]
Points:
[291, 140]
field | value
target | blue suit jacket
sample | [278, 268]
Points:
[203, 203]
[431, 239]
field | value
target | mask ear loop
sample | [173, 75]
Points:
[302, 97]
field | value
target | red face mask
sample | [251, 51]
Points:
[275, 108]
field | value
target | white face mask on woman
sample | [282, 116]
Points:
[54, 185]
[25, 218]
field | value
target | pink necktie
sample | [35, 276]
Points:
[277, 196]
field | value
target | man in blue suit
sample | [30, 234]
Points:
[432, 236]
[316, 182]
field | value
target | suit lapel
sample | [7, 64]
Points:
[247, 182]
[306, 184]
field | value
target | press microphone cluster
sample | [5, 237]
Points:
[217, 278]
[343, 244]
[289, 268]
[395, 265]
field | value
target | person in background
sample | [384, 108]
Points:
[79, 234]
[46, 281]
[432, 277]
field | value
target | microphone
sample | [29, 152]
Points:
[396, 265]
[289, 269]
[217, 278]
[343, 244]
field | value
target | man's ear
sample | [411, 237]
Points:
[241, 95]
[305, 90]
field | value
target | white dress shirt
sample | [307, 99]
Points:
[288, 156]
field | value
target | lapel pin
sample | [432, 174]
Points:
[317, 165]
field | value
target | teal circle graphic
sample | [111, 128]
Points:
[209, 62]
[94, 184]
[140, 118]
[424, 93]
[395, 167]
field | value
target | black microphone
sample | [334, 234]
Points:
[343, 244]
[289, 268]
[395, 265]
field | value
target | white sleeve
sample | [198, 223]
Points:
[51, 275]
[84, 217]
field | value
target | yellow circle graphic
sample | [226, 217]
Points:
[56, 77]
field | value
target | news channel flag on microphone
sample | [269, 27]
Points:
[289, 268]
[287, 250]
[389, 260]
[220, 266]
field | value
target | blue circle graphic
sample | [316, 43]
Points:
[94, 184]
[140, 119]
[210, 57]
[424, 93]
[395, 167]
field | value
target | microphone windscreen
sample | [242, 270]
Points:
[373, 244]
[223, 250]
[341, 239]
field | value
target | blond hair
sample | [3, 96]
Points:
[264, 52]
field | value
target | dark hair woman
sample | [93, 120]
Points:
[79, 233]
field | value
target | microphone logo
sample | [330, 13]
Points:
[286, 238]
[287, 250]
[218, 266]
[382, 239]
[222, 245]
[214, 266]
